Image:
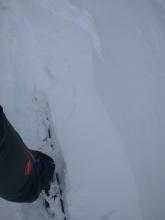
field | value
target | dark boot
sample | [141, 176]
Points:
[45, 167]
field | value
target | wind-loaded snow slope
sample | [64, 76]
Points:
[131, 81]
[103, 71]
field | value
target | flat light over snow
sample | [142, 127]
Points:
[102, 66]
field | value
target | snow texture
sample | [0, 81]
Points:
[102, 66]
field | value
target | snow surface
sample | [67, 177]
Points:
[102, 65]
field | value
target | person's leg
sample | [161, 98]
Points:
[19, 180]
[24, 173]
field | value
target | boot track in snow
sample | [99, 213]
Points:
[53, 201]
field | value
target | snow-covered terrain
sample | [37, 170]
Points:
[102, 66]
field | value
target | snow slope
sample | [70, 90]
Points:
[131, 82]
[101, 63]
